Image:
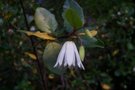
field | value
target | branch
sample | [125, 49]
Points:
[34, 50]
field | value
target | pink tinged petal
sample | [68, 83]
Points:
[69, 56]
[61, 56]
[79, 63]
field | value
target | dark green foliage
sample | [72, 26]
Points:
[113, 65]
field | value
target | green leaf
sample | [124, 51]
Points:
[77, 11]
[91, 42]
[50, 56]
[45, 20]
[73, 18]
[82, 52]
[130, 46]
[68, 26]
[74, 5]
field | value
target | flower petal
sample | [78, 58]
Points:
[69, 56]
[61, 56]
[78, 60]
[65, 63]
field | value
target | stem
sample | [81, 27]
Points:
[67, 36]
[63, 82]
[44, 85]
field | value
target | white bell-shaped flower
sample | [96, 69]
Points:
[69, 56]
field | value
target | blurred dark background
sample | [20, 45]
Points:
[108, 68]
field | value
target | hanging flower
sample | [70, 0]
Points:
[69, 56]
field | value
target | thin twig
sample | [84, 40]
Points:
[44, 84]
[63, 82]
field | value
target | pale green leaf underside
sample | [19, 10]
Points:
[45, 20]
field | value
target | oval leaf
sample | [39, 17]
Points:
[39, 35]
[72, 4]
[45, 20]
[50, 56]
[82, 52]
[73, 18]
[91, 41]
